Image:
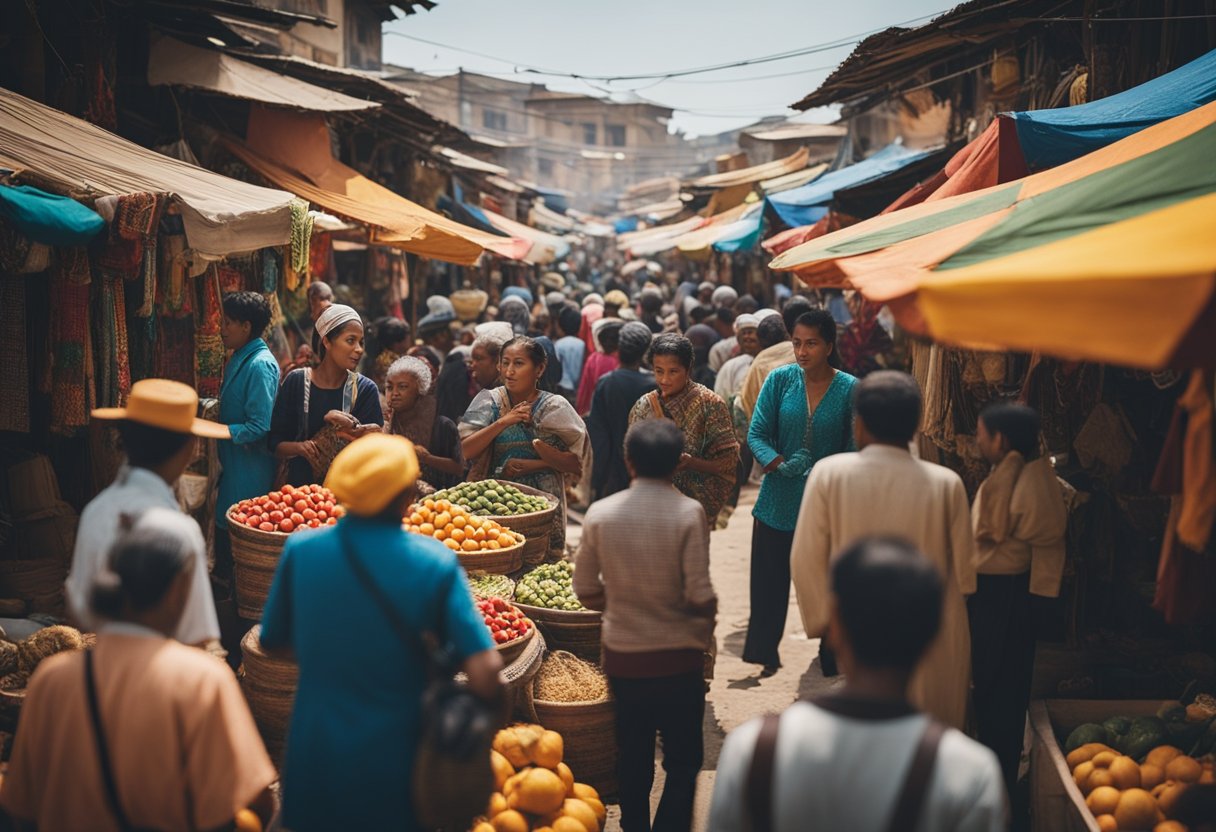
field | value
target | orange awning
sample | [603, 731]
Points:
[293, 151]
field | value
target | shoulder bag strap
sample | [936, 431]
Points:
[103, 751]
[428, 642]
[655, 406]
[916, 784]
[759, 796]
[307, 396]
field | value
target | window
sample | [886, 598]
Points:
[545, 166]
[493, 119]
[591, 133]
[615, 135]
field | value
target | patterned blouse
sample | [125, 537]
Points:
[708, 434]
[779, 428]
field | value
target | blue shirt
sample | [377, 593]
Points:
[251, 381]
[355, 726]
[570, 351]
[779, 428]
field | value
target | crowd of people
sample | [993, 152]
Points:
[649, 407]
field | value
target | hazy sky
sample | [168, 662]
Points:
[634, 37]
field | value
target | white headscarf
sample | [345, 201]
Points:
[500, 332]
[333, 317]
[746, 321]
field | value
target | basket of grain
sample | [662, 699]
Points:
[536, 526]
[269, 685]
[571, 696]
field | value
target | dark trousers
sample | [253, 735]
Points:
[770, 594]
[742, 473]
[673, 708]
[223, 587]
[1002, 664]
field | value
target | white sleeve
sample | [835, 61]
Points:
[982, 806]
[728, 809]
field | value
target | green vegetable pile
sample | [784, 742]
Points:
[484, 585]
[492, 498]
[549, 586]
[1191, 728]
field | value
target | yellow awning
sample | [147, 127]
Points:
[292, 150]
[1127, 293]
[756, 173]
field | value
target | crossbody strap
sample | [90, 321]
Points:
[103, 751]
[760, 776]
[916, 784]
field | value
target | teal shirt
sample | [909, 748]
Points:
[356, 722]
[251, 381]
[779, 428]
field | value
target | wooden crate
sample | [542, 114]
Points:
[1056, 804]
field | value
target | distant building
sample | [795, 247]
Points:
[354, 39]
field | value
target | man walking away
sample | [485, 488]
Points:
[644, 561]
[615, 395]
[883, 490]
[801, 770]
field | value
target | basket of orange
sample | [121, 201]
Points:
[479, 543]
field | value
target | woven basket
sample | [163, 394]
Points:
[512, 650]
[38, 582]
[588, 730]
[495, 561]
[576, 632]
[535, 526]
[469, 303]
[270, 688]
[519, 673]
[255, 556]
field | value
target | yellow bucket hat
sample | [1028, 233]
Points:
[369, 472]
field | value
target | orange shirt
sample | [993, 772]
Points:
[184, 749]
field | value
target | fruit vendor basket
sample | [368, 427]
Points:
[512, 650]
[535, 525]
[520, 671]
[577, 631]
[589, 732]
[1056, 804]
[255, 555]
[495, 561]
[269, 685]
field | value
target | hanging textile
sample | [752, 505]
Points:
[1198, 508]
[270, 271]
[301, 234]
[72, 394]
[14, 351]
[209, 346]
[49, 218]
[171, 296]
[114, 365]
[174, 353]
[132, 249]
[320, 257]
[230, 278]
[14, 247]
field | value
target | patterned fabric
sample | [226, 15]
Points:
[136, 220]
[172, 298]
[209, 346]
[72, 395]
[301, 233]
[320, 256]
[14, 365]
[173, 351]
[14, 248]
[780, 427]
[863, 340]
[115, 362]
[553, 422]
[423, 426]
[709, 434]
[270, 271]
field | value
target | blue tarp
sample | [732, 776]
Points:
[49, 218]
[809, 203]
[741, 235]
[1053, 137]
[467, 214]
[625, 225]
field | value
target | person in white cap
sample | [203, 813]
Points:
[157, 429]
[724, 296]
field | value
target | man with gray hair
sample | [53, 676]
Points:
[320, 298]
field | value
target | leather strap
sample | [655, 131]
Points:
[916, 784]
[103, 751]
[760, 775]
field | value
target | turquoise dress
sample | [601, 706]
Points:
[251, 381]
[355, 726]
[779, 428]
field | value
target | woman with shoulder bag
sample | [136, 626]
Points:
[141, 732]
[359, 724]
[320, 410]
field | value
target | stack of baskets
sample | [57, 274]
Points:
[270, 688]
[535, 526]
[495, 561]
[576, 631]
[588, 730]
[255, 555]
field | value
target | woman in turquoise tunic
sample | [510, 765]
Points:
[521, 433]
[803, 414]
[356, 723]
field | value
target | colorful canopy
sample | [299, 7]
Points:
[292, 150]
[805, 205]
[1137, 292]
[887, 257]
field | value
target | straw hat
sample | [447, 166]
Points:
[164, 404]
[368, 473]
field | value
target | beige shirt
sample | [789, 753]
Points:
[1019, 519]
[183, 746]
[778, 355]
[647, 550]
[883, 490]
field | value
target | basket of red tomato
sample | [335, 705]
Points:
[509, 627]
[259, 527]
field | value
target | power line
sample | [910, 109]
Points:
[522, 68]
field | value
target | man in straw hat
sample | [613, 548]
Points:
[157, 429]
[357, 719]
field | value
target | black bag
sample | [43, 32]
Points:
[453, 780]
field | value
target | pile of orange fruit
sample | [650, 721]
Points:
[1128, 797]
[457, 529]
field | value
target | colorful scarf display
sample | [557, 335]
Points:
[72, 393]
[115, 360]
[209, 344]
